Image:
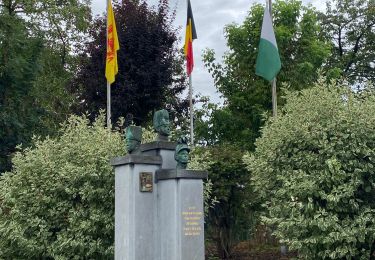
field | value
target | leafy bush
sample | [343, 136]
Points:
[58, 202]
[232, 213]
[200, 159]
[314, 168]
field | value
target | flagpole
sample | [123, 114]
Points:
[108, 105]
[191, 111]
[273, 83]
[108, 84]
[190, 69]
[274, 98]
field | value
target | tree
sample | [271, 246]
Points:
[36, 41]
[231, 216]
[350, 26]
[314, 170]
[59, 23]
[149, 63]
[302, 48]
[18, 69]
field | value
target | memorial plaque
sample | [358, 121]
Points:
[192, 221]
[145, 182]
[191, 233]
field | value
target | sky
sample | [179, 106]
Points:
[210, 18]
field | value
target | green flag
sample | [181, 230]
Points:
[268, 61]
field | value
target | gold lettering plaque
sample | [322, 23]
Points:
[192, 224]
[145, 182]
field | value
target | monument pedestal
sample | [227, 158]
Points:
[180, 214]
[164, 149]
[158, 212]
[135, 211]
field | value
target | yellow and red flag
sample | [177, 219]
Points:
[191, 34]
[111, 66]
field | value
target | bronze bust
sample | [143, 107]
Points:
[181, 154]
[162, 124]
[133, 139]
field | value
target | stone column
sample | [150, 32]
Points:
[135, 207]
[164, 149]
[180, 214]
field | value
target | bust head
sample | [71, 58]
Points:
[133, 138]
[181, 154]
[161, 122]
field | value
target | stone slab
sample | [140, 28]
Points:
[136, 226]
[136, 159]
[158, 145]
[181, 219]
[163, 149]
[165, 174]
[191, 215]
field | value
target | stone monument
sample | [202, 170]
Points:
[158, 203]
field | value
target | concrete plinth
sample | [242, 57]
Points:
[164, 149]
[135, 211]
[180, 214]
[158, 211]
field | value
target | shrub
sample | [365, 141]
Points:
[314, 168]
[58, 202]
[201, 160]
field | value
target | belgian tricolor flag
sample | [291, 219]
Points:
[191, 34]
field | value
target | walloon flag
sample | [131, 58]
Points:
[190, 35]
[268, 62]
[111, 66]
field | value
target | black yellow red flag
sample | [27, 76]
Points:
[111, 66]
[190, 35]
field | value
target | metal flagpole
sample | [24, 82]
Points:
[274, 98]
[273, 83]
[191, 111]
[108, 104]
[108, 84]
[191, 103]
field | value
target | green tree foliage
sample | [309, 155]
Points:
[314, 170]
[231, 215]
[18, 69]
[247, 96]
[350, 25]
[36, 45]
[59, 23]
[58, 200]
[149, 63]
[50, 90]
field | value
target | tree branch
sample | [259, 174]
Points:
[61, 36]
[356, 47]
[340, 43]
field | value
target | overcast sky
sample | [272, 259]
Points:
[210, 17]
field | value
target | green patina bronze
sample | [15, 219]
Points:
[181, 154]
[133, 139]
[161, 124]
